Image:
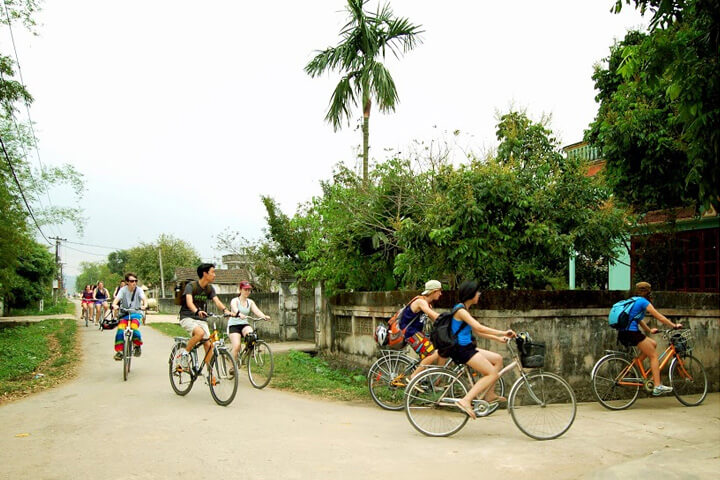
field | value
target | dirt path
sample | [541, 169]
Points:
[98, 426]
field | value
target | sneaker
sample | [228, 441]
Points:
[660, 389]
[138, 351]
[183, 359]
[118, 356]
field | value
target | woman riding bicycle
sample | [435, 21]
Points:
[100, 295]
[465, 351]
[633, 337]
[241, 307]
[87, 301]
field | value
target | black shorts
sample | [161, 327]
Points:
[461, 354]
[237, 328]
[630, 339]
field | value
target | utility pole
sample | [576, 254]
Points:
[162, 276]
[57, 262]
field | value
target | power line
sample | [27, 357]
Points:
[97, 246]
[83, 251]
[7, 157]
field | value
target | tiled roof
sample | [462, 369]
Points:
[222, 276]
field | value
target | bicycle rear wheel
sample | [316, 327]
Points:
[127, 353]
[387, 378]
[180, 379]
[542, 405]
[688, 380]
[606, 387]
[430, 403]
[260, 364]
[223, 377]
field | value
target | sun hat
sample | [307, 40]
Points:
[430, 286]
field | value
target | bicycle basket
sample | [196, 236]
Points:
[681, 341]
[532, 355]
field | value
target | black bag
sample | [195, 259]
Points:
[442, 336]
[532, 354]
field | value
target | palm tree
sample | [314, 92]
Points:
[366, 37]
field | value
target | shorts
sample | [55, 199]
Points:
[420, 344]
[100, 302]
[630, 339]
[189, 325]
[460, 354]
[238, 328]
[88, 302]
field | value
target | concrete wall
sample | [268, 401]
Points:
[573, 325]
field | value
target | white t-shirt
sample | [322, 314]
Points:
[126, 298]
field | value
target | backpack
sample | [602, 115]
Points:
[179, 289]
[395, 334]
[442, 335]
[619, 316]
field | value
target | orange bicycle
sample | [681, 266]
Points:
[618, 376]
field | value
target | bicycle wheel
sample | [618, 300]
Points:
[430, 403]
[260, 364]
[127, 353]
[180, 379]
[688, 380]
[542, 405]
[605, 385]
[223, 377]
[387, 378]
[85, 316]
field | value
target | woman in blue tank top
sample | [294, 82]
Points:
[466, 352]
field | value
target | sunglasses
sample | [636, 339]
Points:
[133, 280]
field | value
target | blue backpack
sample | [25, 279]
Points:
[619, 317]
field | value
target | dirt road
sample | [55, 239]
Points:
[98, 426]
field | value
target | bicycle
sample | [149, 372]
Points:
[541, 404]
[128, 347]
[258, 357]
[222, 375]
[617, 377]
[85, 315]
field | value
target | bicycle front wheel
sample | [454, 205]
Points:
[180, 379]
[260, 364]
[387, 378]
[430, 403]
[606, 383]
[127, 354]
[688, 380]
[542, 405]
[223, 377]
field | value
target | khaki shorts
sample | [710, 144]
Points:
[189, 324]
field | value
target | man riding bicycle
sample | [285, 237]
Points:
[129, 297]
[193, 312]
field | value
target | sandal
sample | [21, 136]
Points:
[468, 411]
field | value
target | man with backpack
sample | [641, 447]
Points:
[631, 336]
[193, 315]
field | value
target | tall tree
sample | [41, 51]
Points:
[365, 39]
[143, 260]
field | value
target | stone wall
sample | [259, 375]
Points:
[573, 325]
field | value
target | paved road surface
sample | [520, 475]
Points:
[98, 426]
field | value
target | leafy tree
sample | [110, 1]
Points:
[33, 275]
[365, 39]
[143, 260]
[117, 262]
[663, 90]
[93, 272]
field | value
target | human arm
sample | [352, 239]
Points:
[483, 331]
[95, 290]
[421, 305]
[220, 305]
[235, 308]
[257, 311]
[660, 318]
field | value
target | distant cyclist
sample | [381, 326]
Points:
[633, 337]
[241, 307]
[129, 297]
[87, 301]
[100, 296]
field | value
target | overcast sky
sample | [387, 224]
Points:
[182, 114]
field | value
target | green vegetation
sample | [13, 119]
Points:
[169, 329]
[365, 39]
[51, 307]
[46, 348]
[302, 373]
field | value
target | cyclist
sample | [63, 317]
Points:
[193, 314]
[238, 326]
[633, 337]
[414, 319]
[130, 297]
[100, 296]
[465, 351]
[87, 300]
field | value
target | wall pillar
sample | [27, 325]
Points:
[288, 308]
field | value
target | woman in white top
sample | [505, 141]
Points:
[241, 307]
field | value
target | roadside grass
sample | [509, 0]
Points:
[45, 349]
[63, 306]
[302, 373]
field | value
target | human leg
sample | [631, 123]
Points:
[122, 325]
[235, 344]
[497, 362]
[648, 348]
[489, 376]
[429, 360]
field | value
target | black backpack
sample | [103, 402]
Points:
[442, 336]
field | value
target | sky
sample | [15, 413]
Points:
[180, 115]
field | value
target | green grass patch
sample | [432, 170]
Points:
[169, 329]
[46, 348]
[61, 307]
[302, 373]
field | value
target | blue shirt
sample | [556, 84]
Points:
[637, 313]
[408, 316]
[465, 336]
